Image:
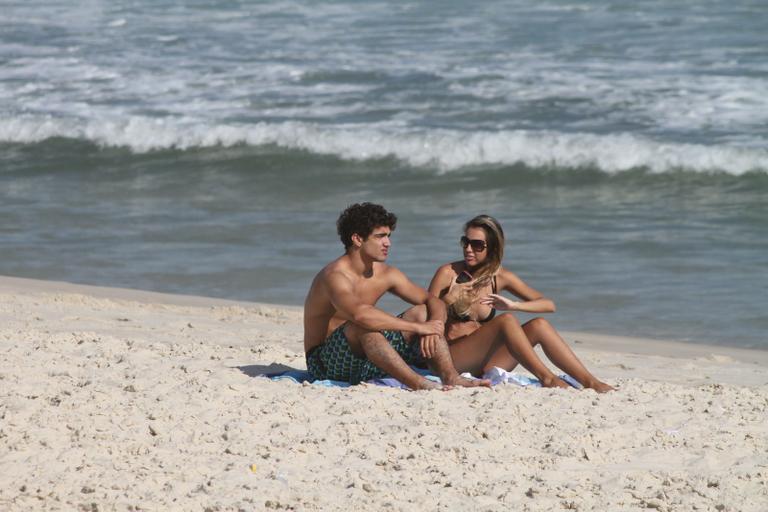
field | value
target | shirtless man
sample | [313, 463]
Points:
[347, 338]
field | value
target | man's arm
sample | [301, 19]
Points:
[436, 312]
[368, 317]
[414, 294]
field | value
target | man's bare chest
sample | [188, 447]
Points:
[369, 291]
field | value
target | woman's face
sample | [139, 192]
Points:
[474, 256]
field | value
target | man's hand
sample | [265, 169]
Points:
[430, 327]
[432, 331]
[428, 345]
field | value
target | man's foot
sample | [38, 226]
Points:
[464, 382]
[426, 384]
[554, 382]
[600, 387]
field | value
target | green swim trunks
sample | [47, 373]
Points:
[334, 359]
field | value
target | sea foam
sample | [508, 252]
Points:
[444, 150]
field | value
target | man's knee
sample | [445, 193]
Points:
[368, 337]
[358, 338]
[353, 333]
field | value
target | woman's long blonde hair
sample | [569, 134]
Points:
[485, 272]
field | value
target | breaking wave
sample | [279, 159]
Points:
[445, 150]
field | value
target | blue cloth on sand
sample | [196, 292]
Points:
[495, 375]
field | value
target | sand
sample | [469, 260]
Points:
[124, 400]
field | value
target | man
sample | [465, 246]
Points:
[347, 338]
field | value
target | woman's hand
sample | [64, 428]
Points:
[500, 302]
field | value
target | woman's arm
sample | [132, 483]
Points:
[533, 300]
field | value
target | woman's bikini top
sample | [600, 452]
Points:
[466, 318]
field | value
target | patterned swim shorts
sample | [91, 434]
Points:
[334, 359]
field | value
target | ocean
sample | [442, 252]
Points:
[207, 148]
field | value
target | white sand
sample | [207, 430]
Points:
[116, 399]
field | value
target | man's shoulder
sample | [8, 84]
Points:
[334, 266]
[381, 267]
[340, 269]
[335, 270]
[384, 271]
[339, 264]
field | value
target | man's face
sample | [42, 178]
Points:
[376, 246]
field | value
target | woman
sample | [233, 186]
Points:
[479, 339]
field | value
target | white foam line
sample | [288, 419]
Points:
[443, 149]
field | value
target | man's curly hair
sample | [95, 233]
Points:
[363, 218]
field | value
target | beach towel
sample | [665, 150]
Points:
[496, 375]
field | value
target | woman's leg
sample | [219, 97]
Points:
[502, 335]
[541, 332]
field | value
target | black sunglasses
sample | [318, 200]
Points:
[477, 245]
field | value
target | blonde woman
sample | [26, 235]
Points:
[480, 339]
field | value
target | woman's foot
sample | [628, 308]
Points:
[599, 386]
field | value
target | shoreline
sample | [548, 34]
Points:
[589, 340]
[114, 399]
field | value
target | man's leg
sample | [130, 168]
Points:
[441, 362]
[374, 346]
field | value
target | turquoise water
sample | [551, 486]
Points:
[207, 148]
